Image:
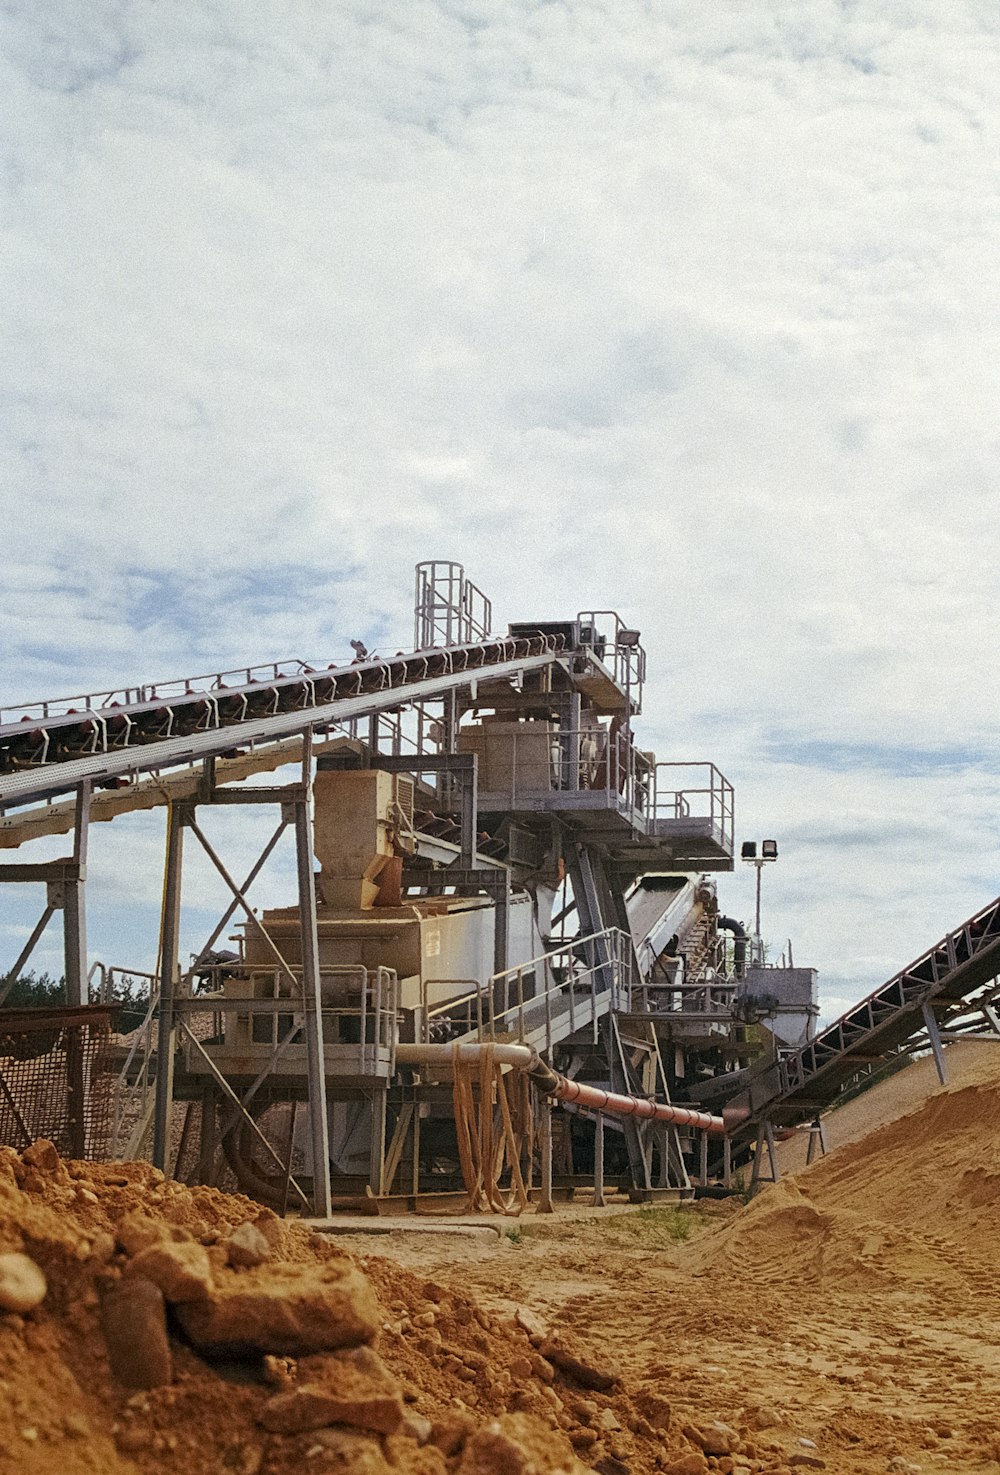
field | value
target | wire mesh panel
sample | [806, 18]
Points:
[55, 1079]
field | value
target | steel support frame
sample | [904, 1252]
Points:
[297, 809]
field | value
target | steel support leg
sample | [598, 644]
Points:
[415, 1161]
[934, 1035]
[169, 944]
[817, 1141]
[545, 1205]
[311, 992]
[501, 927]
[469, 784]
[727, 1162]
[75, 953]
[703, 1160]
[377, 1161]
[74, 906]
[600, 1201]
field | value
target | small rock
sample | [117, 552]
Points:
[134, 1323]
[347, 1452]
[415, 1426]
[809, 1462]
[286, 1309]
[653, 1407]
[694, 1463]
[765, 1417]
[247, 1246]
[531, 1324]
[717, 1438]
[43, 1155]
[22, 1283]
[357, 1390]
[183, 1272]
[136, 1232]
[606, 1420]
[520, 1369]
[610, 1465]
[449, 1434]
[77, 1426]
[278, 1371]
[581, 1372]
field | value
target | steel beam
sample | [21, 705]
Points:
[312, 993]
[26, 952]
[934, 1035]
[170, 919]
[599, 1200]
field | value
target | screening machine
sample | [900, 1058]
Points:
[502, 902]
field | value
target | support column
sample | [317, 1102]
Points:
[727, 1162]
[74, 906]
[376, 1174]
[311, 990]
[600, 1202]
[545, 1205]
[501, 926]
[765, 1142]
[934, 1035]
[170, 919]
[817, 1140]
[469, 785]
[703, 1160]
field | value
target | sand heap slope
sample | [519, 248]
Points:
[914, 1204]
[147, 1326]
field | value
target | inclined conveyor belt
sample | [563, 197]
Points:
[44, 752]
[943, 980]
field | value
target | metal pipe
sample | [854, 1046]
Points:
[551, 1083]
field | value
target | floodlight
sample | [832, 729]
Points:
[629, 638]
[748, 850]
[769, 850]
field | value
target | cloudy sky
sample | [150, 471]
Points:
[688, 310]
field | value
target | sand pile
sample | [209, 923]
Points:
[915, 1203]
[187, 1331]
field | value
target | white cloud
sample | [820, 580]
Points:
[691, 313]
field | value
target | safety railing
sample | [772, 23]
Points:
[459, 1013]
[711, 993]
[543, 759]
[702, 792]
[561, 991]
[617, 647]
[256, 1013]
[448, 608]
[156, 691]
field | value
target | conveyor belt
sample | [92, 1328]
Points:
[945, 979]
[49, 751]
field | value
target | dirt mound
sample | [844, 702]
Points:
[916, 1202]
[187, 1331]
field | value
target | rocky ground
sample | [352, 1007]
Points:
[845, 1320]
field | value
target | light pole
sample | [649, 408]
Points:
[768, 852]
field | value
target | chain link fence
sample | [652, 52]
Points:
[56, 1078]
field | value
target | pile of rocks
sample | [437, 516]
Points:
[187, 1332]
